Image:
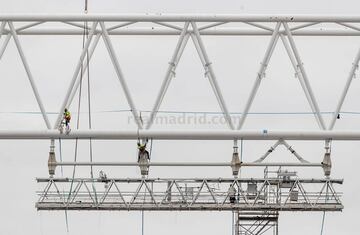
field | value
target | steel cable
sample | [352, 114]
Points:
[78, 121]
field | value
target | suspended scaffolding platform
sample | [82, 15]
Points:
[275, 194]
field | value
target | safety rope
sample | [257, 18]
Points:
[232, 223]
[78, 110]
[142, 222]
[151, 146]
[322, 223]
[89, 113]
[142, 211]
[77, 125]
[326, 198]
[67, 222]
[62, 176]
[142, 214]
[86, 6]
[324, 212]
[61, 159]
[241, 151]
[89, 105]
[237, 214]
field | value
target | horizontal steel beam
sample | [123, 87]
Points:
[186, 164]
[209, 32]
[180, 207]
[183, 134]
[191, 180]
[180, 17]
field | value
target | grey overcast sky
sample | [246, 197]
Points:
[144, 60]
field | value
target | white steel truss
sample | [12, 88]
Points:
[275, 194]
[258, 200]
[286, 28]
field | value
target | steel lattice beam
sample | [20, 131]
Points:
[190, 194]
[285, 29]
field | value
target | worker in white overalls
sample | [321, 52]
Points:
[143, 158]
[232, 194]
[143, 153]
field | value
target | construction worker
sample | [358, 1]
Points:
[67, 118]
[102, 175]
[232, 194]
[142, 151]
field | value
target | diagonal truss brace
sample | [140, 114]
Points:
[84, 68]
[195, 36]
[119, 74]
[299, 69]
[355, 66]
[27, 69]
[90, 54]
[209, 72]
[260, 74]
[8, 36]
[75, 75]
[170, 73]
[288, 147]
[4, 45]
[304, 77]
[298, 73]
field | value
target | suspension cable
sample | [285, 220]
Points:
[142, 222]
[326, 198]
[86, 6]
[78, 119]
[78, 116]
[143, 213]
[62, 176]
[151, 146]
[89, 104]
[78, 110]
[324, 212]
[232, 223]
[61, 159]
[322, 223]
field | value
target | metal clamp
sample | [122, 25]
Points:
[52, 163]
[326, 163]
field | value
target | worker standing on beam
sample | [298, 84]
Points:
[67, 118]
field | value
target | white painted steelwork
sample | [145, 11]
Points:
[183, 26]
[183, 134]
[181, 17]
[271, 196]
[190, 194]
